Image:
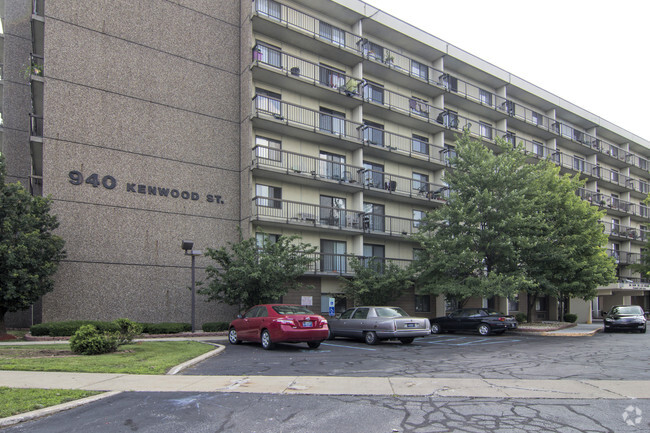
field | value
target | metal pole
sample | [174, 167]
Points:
[193, 294]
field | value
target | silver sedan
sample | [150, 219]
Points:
[373, 324]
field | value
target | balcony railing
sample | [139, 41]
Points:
[331, 217]
[625, 232]
[624, 257]
[613, 203]
[339, 264]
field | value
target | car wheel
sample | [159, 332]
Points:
[313, 344]
[435, 328]
[483, 329]
[331, 336]
[408, 340]
[371, 338]
[232, 336]
[607, 330]
[267, 344]
[642, 331]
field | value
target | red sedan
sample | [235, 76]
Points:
[275, 323]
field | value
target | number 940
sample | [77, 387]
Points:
[76, 178]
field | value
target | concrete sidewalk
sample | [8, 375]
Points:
[580, 330]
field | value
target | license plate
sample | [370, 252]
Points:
[410, 325]
[307, 324]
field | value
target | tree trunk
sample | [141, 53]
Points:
[3, 329]
[531, 305]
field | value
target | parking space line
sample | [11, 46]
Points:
[349, 347]
[472, 342]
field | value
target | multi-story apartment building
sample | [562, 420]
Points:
[159, 121]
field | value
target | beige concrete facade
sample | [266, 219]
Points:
[158, 121]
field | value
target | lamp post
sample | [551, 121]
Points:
[189, 251]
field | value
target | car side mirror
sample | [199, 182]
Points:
[239, 316]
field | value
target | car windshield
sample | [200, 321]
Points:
[632, 309]
[493, 313]
[291, 309]
[390, 312]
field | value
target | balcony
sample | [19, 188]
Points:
[614, 205]
[625, 233]
[305, 77]
[328, 264]
[307, 216]
[624, 257]
[305, 31]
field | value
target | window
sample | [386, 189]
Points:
[485, 130]
[643, 187]
[268, 149]
[419, 70]
[615, 201]
[269, 8]
[485, 97]
[269, 102]
[614, 176]
[269, 196]
[332, 121]
[511, 138]
[269, 55]
[417, 217]
[616, 226]
[536, 117]
[373, 51]
[449, 153]
[332, 166]
[449, 118]
[332, 256]
[263, 239]
[332, 211]
[373, 218]
[374, 256]
[331, 33]
[643, 210]
[361, 313]
[373, 175]
[578, 163]
[331, 77]
[420, 183]
[374, 92]
[419, 106]
[513, 303]
[422, 303]
[539, 149]
[451, 304]
[420, 144]
[373, 133]
[449, 83]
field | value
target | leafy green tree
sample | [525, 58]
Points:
[247, 274]
[643, 267]
[29, 251]
[376, 282]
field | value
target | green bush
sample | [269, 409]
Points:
[165, 328]
[127, 330]
[215, 326]
[88, 340]
[68, 328]
[521, 317]
[571, 318]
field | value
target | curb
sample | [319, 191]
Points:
[175, 370]
[39, 413]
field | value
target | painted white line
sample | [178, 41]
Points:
[472, 342]
[349, 347]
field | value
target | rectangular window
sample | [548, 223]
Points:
[420, 183]
[331, 33]
[419, 70]
[511, 138]
[449, 83]
[268, 196]
[578, 163]
[263, 239]
[513, 303]
[269, 8]
[332, 256]
[269, 102]
[373, 218]
[417, 217]
[485, 130]
[373, 92]
[485, 97]
[449, 118]
[449, 153]
[373, 175]
[373, 51]
[614, 176]
[331, 77]
[332, 166]
[422, 303]
[643, 187]
[420, 144]
[373, 133]
[269, 55]
[332, 211]
[539, 149]
[267, 148]
[537, 118]
[616, 225]
[419, 106]
[332, 121]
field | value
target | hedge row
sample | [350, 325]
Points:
[66, 329]
[215, 326]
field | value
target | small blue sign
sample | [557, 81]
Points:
[332, 313]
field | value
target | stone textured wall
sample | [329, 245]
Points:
[144, 95]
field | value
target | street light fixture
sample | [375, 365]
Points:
[188, 246]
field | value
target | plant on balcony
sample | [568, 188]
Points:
[31, 68]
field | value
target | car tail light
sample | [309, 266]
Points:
[323, 323]
[502, 319]
[289, 322]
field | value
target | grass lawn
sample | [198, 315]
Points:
[15, 401]
[155, 357]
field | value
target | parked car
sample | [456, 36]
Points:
[630, 317]
[274, 323]
[483, 320]
[374, 324]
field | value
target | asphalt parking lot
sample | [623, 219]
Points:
[511, 356]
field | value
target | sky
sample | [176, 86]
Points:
[592, 53]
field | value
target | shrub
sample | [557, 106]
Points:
[215, 326]
[88, 340]
[571, 318]
[165, 328]
[521, 317]
[127, 330]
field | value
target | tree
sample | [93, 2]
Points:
[469, 246]
[29, 251]
[643, 267]
[511, 226]
[376, 282]
[248, 274]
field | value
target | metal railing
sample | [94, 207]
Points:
[613, 203]
[624, 257]
[339, 264]
[625, 232]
